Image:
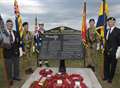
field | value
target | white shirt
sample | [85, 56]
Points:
[110, 30]
[12, 34]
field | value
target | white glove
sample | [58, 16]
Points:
[98, 46]
[33, 49]
[21, 52]
[118, 53]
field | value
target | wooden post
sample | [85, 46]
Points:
[62, 67]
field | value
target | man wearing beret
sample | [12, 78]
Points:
[39, 43]
[27, 37]
[112, 43]
[92, 45]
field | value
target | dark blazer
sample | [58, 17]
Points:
[13, 51]
[38, 40]
[112, 43]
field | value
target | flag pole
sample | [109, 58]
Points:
[84, 34]
[104, 1]
[36, 23]
[104, 15]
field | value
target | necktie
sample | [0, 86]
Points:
[11, 37]
[108, 34]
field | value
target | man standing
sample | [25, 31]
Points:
[112, 43]
[38, 44]
[11, 55]
[92, 44]
[27, 38]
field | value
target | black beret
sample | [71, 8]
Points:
[25, 23]
[9, 20]
[0, 17]
[91, 20]
[111, 18]
[41, 24]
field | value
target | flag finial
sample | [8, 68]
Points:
[85, 0]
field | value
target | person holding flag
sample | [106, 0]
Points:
[92, 45]
[86, 41]
[38, 44]
[27, 38]
[112, 44]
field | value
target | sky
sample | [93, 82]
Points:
[54, 13]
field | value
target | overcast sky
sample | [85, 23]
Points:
[57, 12]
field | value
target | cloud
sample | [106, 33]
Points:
[32, 7]
[6, 2]
[114, 10]
[57, 12]
[32, 10]
[21, 2]
[26, 6]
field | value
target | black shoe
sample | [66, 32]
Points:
[17, 79]
[91, 67]
[104, 79]
[10, 82]
[29, 71]
[110, 81]
[40, 64]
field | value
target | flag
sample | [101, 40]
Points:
[102, 17]
[84, 25]
[18, 21]
[19, 29]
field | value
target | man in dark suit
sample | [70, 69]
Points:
[112, 43]
[11, 55]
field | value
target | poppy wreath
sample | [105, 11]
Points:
[44, 73]
[76, 81]
[58, 81]
[35, 84]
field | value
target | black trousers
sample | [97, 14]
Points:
[12, 66]
[110, 64]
